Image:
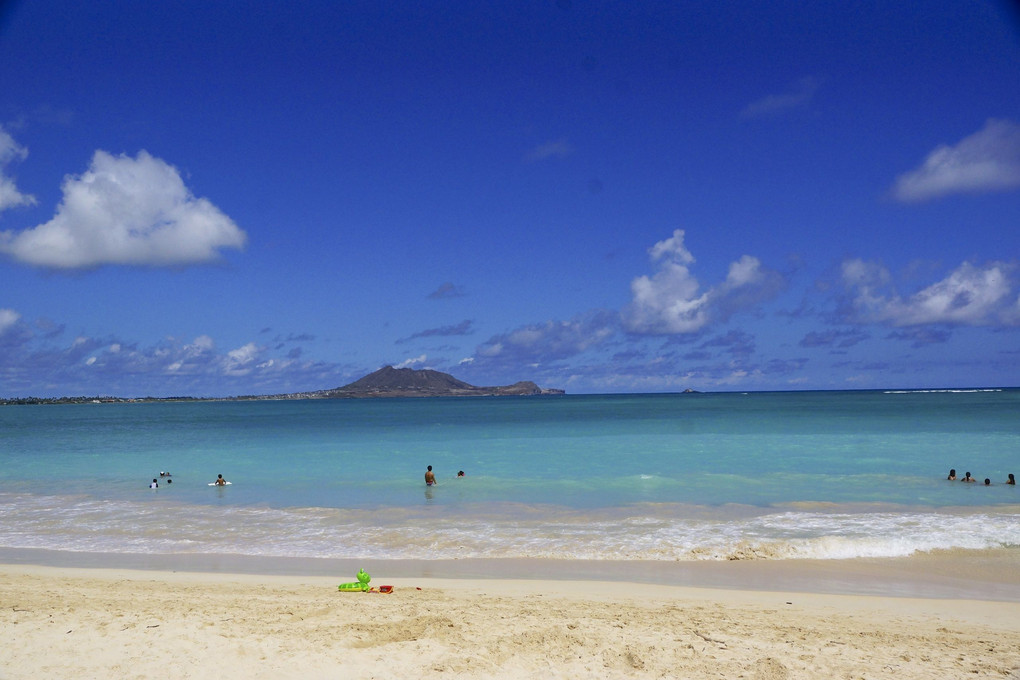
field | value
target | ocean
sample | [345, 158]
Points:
[649, 478]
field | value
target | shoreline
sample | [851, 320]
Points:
[75, 622]
[989, 575]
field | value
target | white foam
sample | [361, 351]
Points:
[652, 532]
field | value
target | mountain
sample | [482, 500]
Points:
[407, 382]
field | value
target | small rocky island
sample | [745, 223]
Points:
[407, 382]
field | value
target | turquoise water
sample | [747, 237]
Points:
[654, 477]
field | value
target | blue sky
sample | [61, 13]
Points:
[223, 198]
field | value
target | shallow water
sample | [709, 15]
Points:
[829, 475]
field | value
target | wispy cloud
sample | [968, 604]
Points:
[462, 328]
[413, 361]
[986, 161]
[671, 301]
[34, 356]
[971, 295]
[702, 369]
[734, 342]
[798, 95]
[921, 337]
[550, 341]
[14, 333]
[555, 149]
[10, 151]
[447, 291]
[834, 339]
[126, 211]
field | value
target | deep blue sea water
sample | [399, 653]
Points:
[648, 477]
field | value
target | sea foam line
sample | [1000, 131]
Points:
[86, 525]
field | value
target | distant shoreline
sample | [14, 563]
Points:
[35, 401]
[319, 395]
[387, 382]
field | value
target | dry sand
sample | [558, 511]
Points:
[99, 623]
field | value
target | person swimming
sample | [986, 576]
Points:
[968, 478]
[1011, 481]
[952, 475]
[988, 482]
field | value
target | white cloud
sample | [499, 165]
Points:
[240, 361]
[10, 150]
[407, 363]
[863, 274]
[988, 160]
[673, 248]
[743, 272]
[670, 301]
[667, 302]
[200, 345]
[128, 211]
[799, 94]
[8, 317]
[971, 295]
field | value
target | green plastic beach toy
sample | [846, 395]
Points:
[360, 587]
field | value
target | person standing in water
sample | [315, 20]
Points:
[430, 477]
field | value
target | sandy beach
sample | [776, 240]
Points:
[107, 623]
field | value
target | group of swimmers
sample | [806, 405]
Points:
[166, 475]
[162, 474]
[430, 477]
[967, 478]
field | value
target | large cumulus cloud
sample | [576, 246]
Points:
[671, 301]
[126, 211]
